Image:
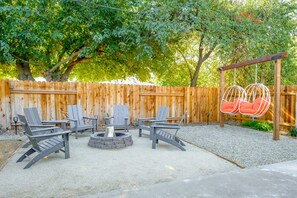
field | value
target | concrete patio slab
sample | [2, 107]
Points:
[92, 171]
[276, 180]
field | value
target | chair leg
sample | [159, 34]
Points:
[28, 153]
[26, 145]
[140, 132]
[66, 145]
[154, 143]
[40, 156]
[151, 133]
[34, 160]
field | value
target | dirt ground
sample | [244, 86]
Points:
[8, 148]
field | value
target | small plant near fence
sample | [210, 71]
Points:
[260, 126]
[292, 132]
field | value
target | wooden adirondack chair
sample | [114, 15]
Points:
[51, 143]
[77, 120]
[160, 134]
[146, 123]
[120, 117]
[35, 122]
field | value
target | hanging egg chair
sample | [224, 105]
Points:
[231, 100]
[258, 100]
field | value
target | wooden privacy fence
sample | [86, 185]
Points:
[98, 99]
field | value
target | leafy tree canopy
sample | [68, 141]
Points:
[180, 42]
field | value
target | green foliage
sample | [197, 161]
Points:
[261, 126]
[7, 71]
[231, 32]
[292, 132]
[173, 40]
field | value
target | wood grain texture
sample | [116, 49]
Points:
[98, 99]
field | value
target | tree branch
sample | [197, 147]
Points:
[206, 56]
[200, 52]
[65, 60]
[24, 61]
[188, 65]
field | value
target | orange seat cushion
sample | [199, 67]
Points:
[263, 106]
[230, 107]
[257, 107]
[247, 107]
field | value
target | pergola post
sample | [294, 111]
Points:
[222, 86]
[277, 90]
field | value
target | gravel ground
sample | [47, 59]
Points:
[246, 147]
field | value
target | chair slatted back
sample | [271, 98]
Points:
[162, 113]
[75, 112]
[181, 121]
[32, 116]
[182, 118]
[28, 131]
[120, 112]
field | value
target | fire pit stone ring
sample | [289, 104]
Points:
[120, 140]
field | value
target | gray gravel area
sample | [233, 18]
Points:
[246, 147]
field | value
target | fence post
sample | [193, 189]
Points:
[296, 111]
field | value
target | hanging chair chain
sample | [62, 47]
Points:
[256, 73]
[234, 80]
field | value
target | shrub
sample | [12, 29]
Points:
[261, 126]
[292, 132]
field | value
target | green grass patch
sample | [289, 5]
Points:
[292, 132]
[260, 126]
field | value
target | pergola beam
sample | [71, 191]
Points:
[255, 61]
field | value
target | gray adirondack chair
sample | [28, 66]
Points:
[51, 143]
[159, 133]
[119, 119]
[146, 123]
[77, 120]
[34, 120]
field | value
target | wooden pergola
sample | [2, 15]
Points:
[277, 58]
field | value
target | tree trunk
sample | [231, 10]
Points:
[198, 66]
[23, 68]
[195, 75]
[62, 75]
[65, 76]
[201, 59]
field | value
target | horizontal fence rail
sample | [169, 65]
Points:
[98, 99]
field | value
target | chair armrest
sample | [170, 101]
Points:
[42, 126]
[73, 120]
[108, 118]
[44, 129]
[55, 121]
[156, 121]
[165, 127]
[90, 118]
[146, 119]
[49, 135]
[173, 118]
[166, 124]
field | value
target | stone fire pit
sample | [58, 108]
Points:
[120, 140]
